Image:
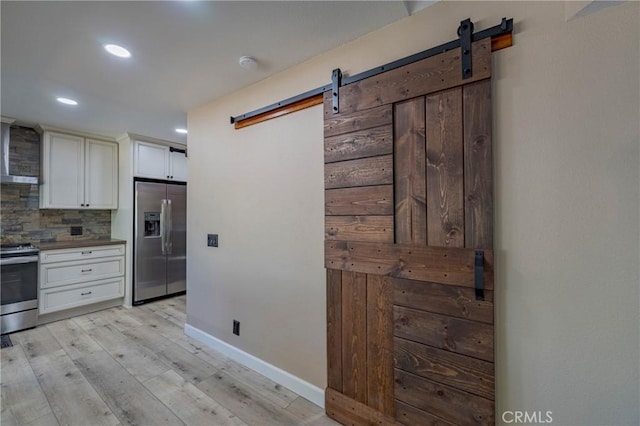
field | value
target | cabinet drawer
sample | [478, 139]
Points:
[64, 273]
[81, 253]
[72, 296]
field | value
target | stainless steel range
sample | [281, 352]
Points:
[18, 287]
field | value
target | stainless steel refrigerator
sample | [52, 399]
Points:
[160, 246]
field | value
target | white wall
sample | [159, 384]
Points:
[567, 187]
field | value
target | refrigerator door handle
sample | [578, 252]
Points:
[163, 225]
[169, 227]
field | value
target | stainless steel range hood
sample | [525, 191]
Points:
[5, 177]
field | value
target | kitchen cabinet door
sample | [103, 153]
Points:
[101, 175]
[62, 172]
[178, 162]
[151, 160]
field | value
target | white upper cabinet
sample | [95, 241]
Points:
[78, 173]
[101, 174]
[157, 161]
[151, 160]
[178, 165]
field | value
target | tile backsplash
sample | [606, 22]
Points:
[20, 218]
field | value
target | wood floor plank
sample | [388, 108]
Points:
[322, 421]
[46, 420]
[90, 321]
[73, 339]
[305, 410]
[129, 400]
[7, 418]
[166, 311]
[177, 302]
[266, 387]
[136, 359]
[140, 315]
[189, 403]
[99, 377]
[263, 385]
[244, 402]
[22, 398]
[118, 318]
[73, 400]
[161, 325]
[185, 363]
[36, 342]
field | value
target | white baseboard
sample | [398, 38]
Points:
[288, 380]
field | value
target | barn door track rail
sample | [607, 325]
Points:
[501, 37]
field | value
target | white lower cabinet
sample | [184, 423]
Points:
[75, 277]
[71, 296]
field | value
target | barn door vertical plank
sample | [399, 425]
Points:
[354, 335]
[445, 178]
[409, 169]
[380, 372]
[478, 179]
[334, 329]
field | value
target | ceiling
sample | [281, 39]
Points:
[184, 54]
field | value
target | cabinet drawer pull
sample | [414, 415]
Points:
[86, 252]
[86, 270]
[85, 294]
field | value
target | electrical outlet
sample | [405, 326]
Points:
[212, 240]
[236, 327]
[76, 230]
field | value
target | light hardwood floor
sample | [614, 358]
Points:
[136, 367]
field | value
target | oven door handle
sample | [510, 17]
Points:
[18, 260]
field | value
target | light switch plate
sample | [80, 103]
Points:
[212, 240]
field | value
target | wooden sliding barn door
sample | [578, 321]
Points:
[408, 204]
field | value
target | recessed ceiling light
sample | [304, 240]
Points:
[67, 101]
[118, 51]
[183, 131]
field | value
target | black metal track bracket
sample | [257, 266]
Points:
[181, 151]
[336, 82]
[465, 32]
[478, 275]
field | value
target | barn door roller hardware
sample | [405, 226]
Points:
[336, 82]
[501, 37]
[478, 275]
[465, 30]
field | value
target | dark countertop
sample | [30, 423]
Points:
[55, 245]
